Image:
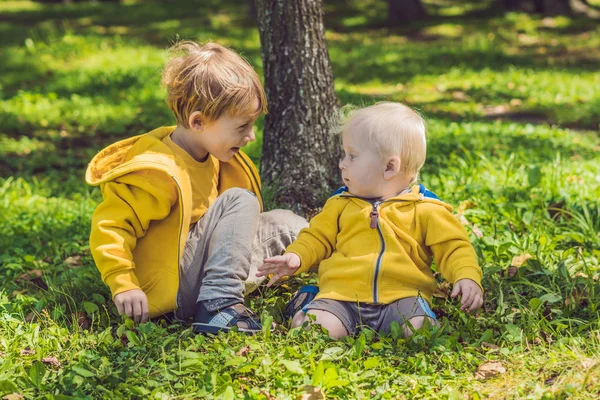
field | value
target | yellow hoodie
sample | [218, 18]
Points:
[140, 228]
[381, 252]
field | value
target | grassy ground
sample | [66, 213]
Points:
[513, 111]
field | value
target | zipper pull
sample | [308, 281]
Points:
[374, 216]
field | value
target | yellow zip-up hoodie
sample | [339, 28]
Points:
[140, 228]
[379, 252]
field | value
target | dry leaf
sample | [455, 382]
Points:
[489, 369]
[2, 354]
[13, 396]
[588, 363]
[52, 360]
[519, 260]
[510, 272]
[34, 276]
[73, 261]
[477, 232]
[551, 379]
[243, 351]
[27, 352]
[579, 297]
[465, 205]
[82, 319]
[491, 346]
[30, 317]
[312, 393]
[443, 290]
[459, 96]
[29, 275]
[268, 395]
[515, 102]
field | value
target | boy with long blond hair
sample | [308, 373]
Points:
[180, 226]
[375, 239]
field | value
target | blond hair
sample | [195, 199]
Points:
[393, 129]
[211, 79]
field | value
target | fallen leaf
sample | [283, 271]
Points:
[30, 317]
[489, 369]
[547, 313]
[499, 110]
[588, 363]
[519, 260]
[27, 352]
[515, 102]
[443, 290]
[551, 379]
[492, 346]
[82, 319]
[243, 352]
[2, 354]
[465, 205]
[459, 96]
[268, 395]
[73, 261]
[557, 210]
[579, 297]
[477, 232]
[510, 272]
[312, 393]
[34, 276]
[547, 337]
[52, 360]
[13, 396]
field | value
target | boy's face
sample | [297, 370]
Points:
[224, 136]
[362, 166]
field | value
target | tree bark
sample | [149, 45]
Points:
[510, 5]
[556, 7]
[301, 150]
[405, 10]
[252, 10]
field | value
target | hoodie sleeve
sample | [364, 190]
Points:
[317, 242]
[128, 206]
[452, 251]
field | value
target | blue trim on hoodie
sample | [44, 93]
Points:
[340, 191]
[427, 193]
[422, 190]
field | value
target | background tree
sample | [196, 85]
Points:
[301, 151]
[405, 10]
[551, 7]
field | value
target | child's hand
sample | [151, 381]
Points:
[134, 303]
[279, 266]
[471, 293]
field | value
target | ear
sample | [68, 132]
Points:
[196, 120]
[392, 168]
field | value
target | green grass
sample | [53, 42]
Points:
[513, 115]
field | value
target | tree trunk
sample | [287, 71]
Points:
[301, 151]
[404, 10]
[252, 10]
[556, 7]
[510, 5]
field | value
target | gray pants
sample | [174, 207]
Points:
[225, 248]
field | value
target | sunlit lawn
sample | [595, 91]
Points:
[513, 111]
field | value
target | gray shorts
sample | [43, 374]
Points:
[378, 317]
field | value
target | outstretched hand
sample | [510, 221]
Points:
[470, 292]
[279, 266]
[133, 303]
